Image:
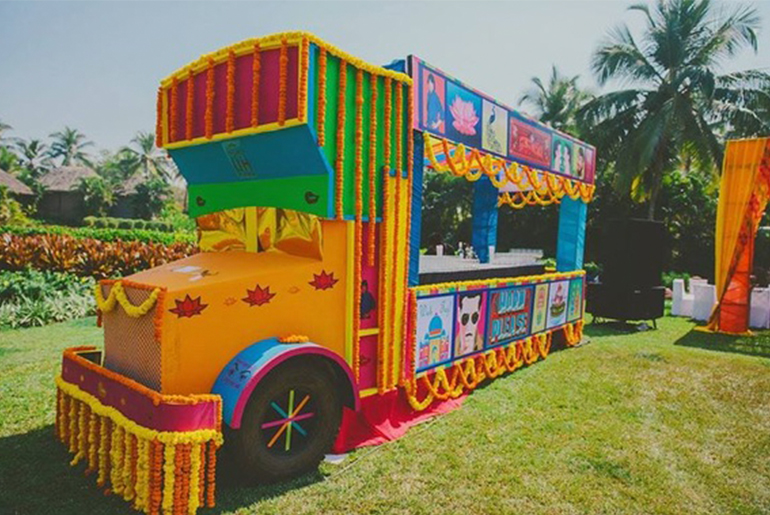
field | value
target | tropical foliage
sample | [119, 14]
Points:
[556, 102]
[86, 257]
[675, 107]
[35, 298]
[69, 145]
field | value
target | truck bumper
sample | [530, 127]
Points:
[156, 451]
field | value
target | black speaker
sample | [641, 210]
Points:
[625, 304]
[634, 253]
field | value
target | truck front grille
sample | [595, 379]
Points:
[130, 346]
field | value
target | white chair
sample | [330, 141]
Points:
[704, 300]
[681, 305]
[759, 314]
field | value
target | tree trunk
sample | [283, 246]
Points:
[656, 184]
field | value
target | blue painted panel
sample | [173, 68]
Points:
[572, 230]
[236, 375]
[416, 225]
[269, 155]
[484, 224]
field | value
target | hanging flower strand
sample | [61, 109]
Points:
[321, 117]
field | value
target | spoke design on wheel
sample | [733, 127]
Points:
[289, 422]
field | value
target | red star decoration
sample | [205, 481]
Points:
[258, 296]
[323, 281]
[188, 307]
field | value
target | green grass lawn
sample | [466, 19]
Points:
[668, 421]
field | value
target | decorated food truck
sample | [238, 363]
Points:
[310, 320]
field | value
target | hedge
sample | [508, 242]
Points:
[142, 235]
[86, 257]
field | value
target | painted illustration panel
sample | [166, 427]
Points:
[434, 330]
[367, 361]
[539, 308]
[557, 304]
[433, 101]
[580, 162]
[470, 322]
[509, 314]
[561, 156]
[463, 115]
[368, 307]
[529, 143]
[575, 308]
[494, 130]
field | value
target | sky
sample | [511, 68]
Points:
[95, 66]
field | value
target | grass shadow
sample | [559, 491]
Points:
[757, 344]
[610, 328]
[35, 477]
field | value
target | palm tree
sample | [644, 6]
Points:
[69, 144]
[33, 156]
[557, 103]
[677, 103]
[153, 161]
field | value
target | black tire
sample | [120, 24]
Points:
[281, 450]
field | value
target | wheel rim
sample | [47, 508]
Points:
[289, 422]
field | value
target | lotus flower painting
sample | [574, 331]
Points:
[464, 115]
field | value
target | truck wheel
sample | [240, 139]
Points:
[288, 424]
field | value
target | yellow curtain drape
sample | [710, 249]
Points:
[739, 181]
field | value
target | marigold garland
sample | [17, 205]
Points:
[189, 106]
[409, 182]
[159, 119]
[282, 73]
[448, 287]
[294, 338]
[473, 164]
[230, 105]
[304, 52]
[397, 237]
[255, 72]
[340, 165]
[358, 247]
[209, 114]
[386, 143]
[407, 370]
[211, 468]
[173, 108]
[321, 101]
[154, 470]
[372, 171]
[273, 40]
[117, 295]
[470, 372]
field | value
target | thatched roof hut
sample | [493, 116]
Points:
[14, 185]
[66, 178]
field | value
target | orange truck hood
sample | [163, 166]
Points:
[217, 303]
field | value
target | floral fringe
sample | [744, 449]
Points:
[157, 472]
[536, 187]
[450, 383]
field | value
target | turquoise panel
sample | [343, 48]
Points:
[269, 155]
[572, 233]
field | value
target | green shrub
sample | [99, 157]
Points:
[140, 224]
[90, 221]
[668, 278]
[39, 284]
[103, 234]
[35, 298]
[125, 224]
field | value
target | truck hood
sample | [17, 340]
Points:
[213, 268]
